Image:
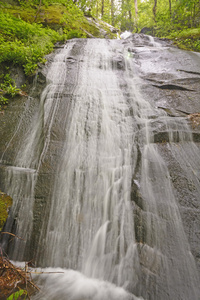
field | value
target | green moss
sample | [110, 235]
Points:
[91, 28]
[106, 27]
[188, 33]
[187, 39]
[5, 204]
[57, 16]
[23, 43]
[190, 44]
[28, 33]
[96, 28]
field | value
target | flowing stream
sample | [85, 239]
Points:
[93, 195]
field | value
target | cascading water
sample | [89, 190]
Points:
[21, 177]
[94, 185]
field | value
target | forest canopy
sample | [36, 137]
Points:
[162, 18]
[175, 19]
[162, 15]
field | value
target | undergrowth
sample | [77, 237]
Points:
[25, 44]
[8, 89]
[28, 31]
[188, 39]
[5, 204]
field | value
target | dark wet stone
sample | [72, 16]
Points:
[17, 74]
[118, 63]
[41, 78]
[172, 87]
[174, 96]
[146, 30]
[71, 59]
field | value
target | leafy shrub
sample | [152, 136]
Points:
[23, 43]
[5, 204]
[75, 34]
[18, 295]
[8, 86]
[3, 101]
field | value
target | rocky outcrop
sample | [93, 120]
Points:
[164, 83]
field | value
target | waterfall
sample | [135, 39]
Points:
[91, 216]
[93, 194]
[153, 42]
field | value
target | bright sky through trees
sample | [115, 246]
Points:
[133, 15]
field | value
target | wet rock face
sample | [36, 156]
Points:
[159, 86]
[146, 30]
[185, 184]
[170, 82]
[18, 76]
[118, 63]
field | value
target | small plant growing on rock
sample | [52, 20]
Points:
[5, 204]
[3, 101]
[8, 89]
[21, 294]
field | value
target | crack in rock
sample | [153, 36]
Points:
[172, 87]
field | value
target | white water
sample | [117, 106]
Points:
[91, 226]
[22, 176]
[59, 283]
[153, 42]
[125, 34]
[91, 216]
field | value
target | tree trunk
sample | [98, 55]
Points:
[130, 15]
[102, 8]
[112, 13]
[136, 9]
[154, 10]
[38, 10]
[193, 15]
[170, 8]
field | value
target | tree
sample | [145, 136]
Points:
[154, 10]
[170, 8]
[136, 9]
[132, 14]
[112, 13]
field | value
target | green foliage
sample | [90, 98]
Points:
[75, 33]
[187, 33]
[9, 89]
[172, 18]
[6, 80]
[28, 32]
[12, 90]
[188, 39]
[17, 295]
[8, 86]
[23, 43]
[5, 204]
[3, 101]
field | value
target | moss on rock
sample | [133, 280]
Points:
[5, 204]
[60, 17]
